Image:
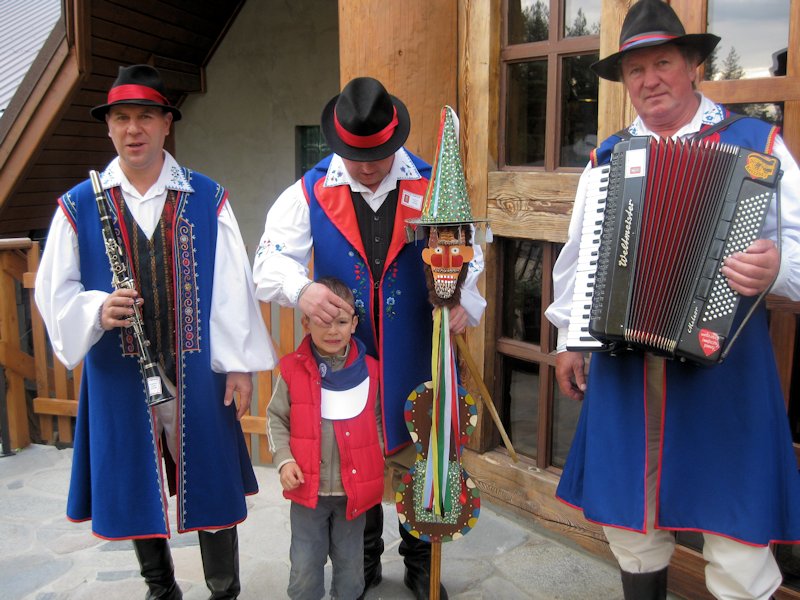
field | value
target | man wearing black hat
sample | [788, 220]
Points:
[664, 446]
[351, 209]
[203, 327]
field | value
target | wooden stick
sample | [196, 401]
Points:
[486, 398]
[436, 570]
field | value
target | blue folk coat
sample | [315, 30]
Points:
[727, 464]
[117, 476]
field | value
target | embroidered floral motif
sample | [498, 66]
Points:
[392, 294]
[69, 204]
[265, 246]
[362, 288]
[713, 115]
[188, 312]
[407, 168]
[337, 175]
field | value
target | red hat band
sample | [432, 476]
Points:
[366, 141]
[135, 92]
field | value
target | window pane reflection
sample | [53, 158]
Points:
[753, 42]
[691, 539]
[522, 285]
[565, 420]
[525, 113]
[528, 21]
[788, 556]
[771, 112]
[521, 399]
[581, 17]
[578, 110]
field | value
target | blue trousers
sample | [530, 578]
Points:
[318, 533]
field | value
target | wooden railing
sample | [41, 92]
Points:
[55, 404]
[56, 388]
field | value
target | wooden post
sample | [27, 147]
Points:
[11, 355]
[265, 389]
[436, 570]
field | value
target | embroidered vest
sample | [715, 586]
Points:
[400, 337]
[153, 270]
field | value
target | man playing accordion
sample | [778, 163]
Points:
[665, 445]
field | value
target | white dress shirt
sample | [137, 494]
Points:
[239, 338]
[281, 264]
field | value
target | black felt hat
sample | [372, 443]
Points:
[652, 23]
[137, 84]
[364, 122]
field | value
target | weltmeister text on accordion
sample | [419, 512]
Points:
[658, 223]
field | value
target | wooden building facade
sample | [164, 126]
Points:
[516, 71]
[530, 113]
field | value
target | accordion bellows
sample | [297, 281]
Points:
[659, 221]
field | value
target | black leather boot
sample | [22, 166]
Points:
[220, 553]
[417, 558]
[155, 563]
[373, 546]
[645, 586]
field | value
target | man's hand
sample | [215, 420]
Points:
[321, 305]
[752, 271]
[117, 310]
[291, 476]
[458, 320]
[243, 384]
[570, 374]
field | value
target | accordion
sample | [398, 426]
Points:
[659, 221]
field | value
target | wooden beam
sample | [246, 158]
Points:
[14, 371]
[264, 388]
[55, 406]
[251, 424]
[743, 91]
[478, 104]
[534, 205]
[37, 119]
[78, 24]
[530, 492]
[411, 47]
[16, 360]
[614, 107]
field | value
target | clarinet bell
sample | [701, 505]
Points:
[159, 399]
[155, 391]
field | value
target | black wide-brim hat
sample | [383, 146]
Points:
[652, 23]
[137, 84]
[365, 123]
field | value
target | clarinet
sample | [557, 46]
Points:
[121, 280]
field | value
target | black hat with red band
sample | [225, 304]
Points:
[365, 123]
[137, 84]
[652, 23]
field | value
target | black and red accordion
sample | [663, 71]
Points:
[659, 221]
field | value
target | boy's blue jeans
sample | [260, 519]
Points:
[321, 532]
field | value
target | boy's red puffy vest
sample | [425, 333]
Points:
[357, 438]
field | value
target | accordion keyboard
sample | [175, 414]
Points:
[578, 336]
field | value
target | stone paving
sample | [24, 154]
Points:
[45, 557]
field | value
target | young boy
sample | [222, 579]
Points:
[328, 450]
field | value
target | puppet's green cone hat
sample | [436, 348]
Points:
[446, 201]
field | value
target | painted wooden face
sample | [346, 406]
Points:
[447, 253]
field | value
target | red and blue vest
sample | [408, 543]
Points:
[405, 324]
